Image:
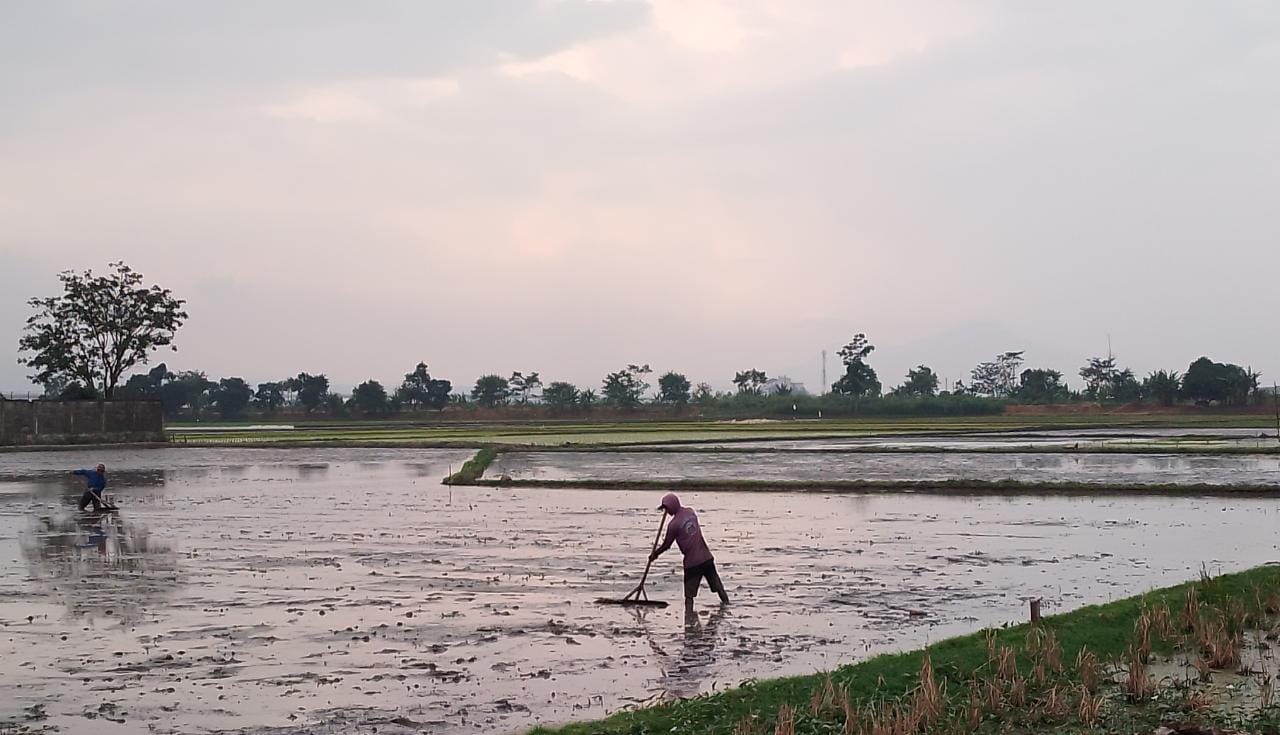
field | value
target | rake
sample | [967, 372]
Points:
[638, 596]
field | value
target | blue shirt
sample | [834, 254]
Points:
[95, 480]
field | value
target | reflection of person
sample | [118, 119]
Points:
[684, 675]
[95, 482]
[698, 561]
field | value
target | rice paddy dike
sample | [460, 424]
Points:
[1196, 658]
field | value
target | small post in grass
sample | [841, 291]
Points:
[1035, 610]
[1275, 401]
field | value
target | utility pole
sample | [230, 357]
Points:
[824, 373]
[1275, 401]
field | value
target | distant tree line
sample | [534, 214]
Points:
[1205, 382]
[857, 391]
[82, 343]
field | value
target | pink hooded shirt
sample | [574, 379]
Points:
[686, 532]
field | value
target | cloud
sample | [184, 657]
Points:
[367, 101]
[566, 187]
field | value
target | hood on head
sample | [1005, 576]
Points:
[670, 503]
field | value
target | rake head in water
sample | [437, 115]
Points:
[629, 601]
[636, 596]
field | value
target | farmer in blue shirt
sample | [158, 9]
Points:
[95, 482]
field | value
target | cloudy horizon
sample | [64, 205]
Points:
[705, 186]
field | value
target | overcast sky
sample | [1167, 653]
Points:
[702, 185]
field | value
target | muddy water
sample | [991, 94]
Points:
[1259, 437]
[347, 591]
[1103, 468]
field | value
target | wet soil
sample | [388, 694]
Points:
[265, 591]
[1209, 438]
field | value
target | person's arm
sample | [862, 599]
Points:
[82, 473]
[671, 537]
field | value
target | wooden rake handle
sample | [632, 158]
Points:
[639, 592]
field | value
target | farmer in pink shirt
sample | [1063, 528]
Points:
[698, 562]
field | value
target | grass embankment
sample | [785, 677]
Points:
[940, 487]
[1096, 669]
[473, 469]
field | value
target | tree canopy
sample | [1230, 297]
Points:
[1038, 385]
[490, 390]
[750, 382]
[673, 388]
[625, 388]
[998, 378]
[1207, 381]
[99, 328]
[560, 396]
[370, 397]
[419, 389]
[921, 381]
[859, 380]
[312, 390]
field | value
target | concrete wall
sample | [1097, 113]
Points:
[80, 422]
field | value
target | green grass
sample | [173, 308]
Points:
[1106, 630]
[473, 469]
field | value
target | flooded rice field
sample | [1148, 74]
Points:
[1065, 438]
[265, 591]
[1048, 467]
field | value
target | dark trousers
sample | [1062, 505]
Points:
[693, 577]
[87, 498]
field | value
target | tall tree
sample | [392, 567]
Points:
[1125, 387]
[1106, 382]
[1038, 385]
[1099, 376]
[673, 388]
[230, 397]
[99, 328]
[921, 381]
[750, 382]
[313, 390]
[419, 389]
[560, 396]
[187, 389]
[524, 385]
[998, 378]
[490, 390]
[625, 388]
[1207, 381]
[269, 397]
[859, 379]
[370, 397]
[142, 386]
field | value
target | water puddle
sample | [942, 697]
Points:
[782, 466]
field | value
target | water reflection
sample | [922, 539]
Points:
[99, 564]
[683, 674]
[312, 471]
